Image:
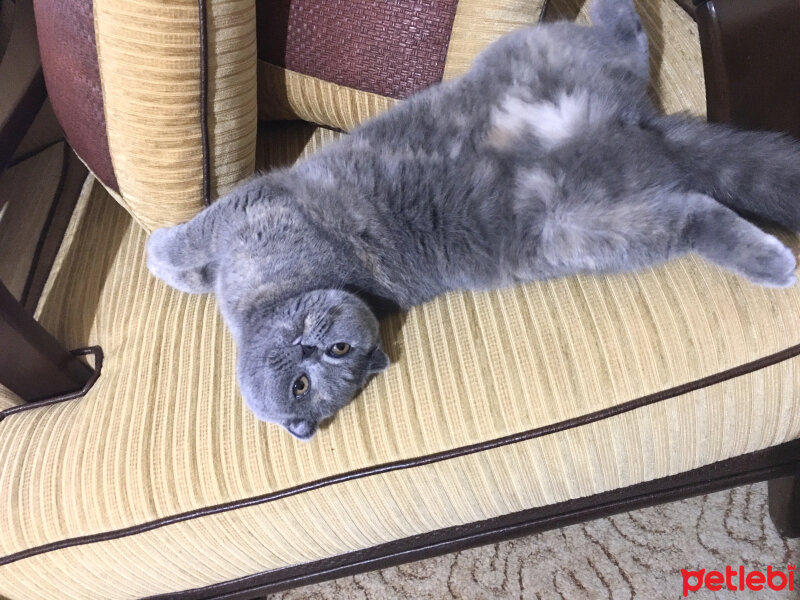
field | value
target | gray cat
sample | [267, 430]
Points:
[545, 159]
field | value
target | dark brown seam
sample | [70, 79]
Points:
[201, 7]
[412, 462]
[37, 253]
[97, 351]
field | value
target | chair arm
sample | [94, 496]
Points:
[751, 59]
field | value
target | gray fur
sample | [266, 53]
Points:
[546, 159]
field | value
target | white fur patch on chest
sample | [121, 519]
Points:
[552, 122]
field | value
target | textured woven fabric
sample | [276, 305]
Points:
[342, 96]
[164, 431]
[389, 48]
[153, 83]
[69, 63]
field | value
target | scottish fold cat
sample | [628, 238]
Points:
[546, 159]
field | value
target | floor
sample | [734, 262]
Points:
[633, 555]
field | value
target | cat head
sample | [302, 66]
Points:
[299, 360]
[306, 358]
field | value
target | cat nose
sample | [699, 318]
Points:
[308, 350]
[302, 430]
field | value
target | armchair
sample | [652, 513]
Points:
[503, 413]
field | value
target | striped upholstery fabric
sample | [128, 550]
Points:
[340, 63]
[171, 94]
[160, 480]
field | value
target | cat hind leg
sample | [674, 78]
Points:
[621, 19]
[650, 228]
[720, 235]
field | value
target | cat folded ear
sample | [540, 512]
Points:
[181, 256]
[378, 361]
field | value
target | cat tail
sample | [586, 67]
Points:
[755, 173]
[621, 19]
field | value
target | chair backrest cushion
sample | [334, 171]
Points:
[157, 98]
[340, 62]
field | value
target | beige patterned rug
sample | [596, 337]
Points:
[633, 555]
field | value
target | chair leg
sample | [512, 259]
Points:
[33, 364]
[784, 505]
[751, 59]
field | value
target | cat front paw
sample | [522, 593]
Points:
[772, 265]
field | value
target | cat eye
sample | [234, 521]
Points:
[339, 349]
[301, 386]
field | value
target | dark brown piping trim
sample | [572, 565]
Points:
[97, 352]
[201, 7]
[411, 462]
[768, 464]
